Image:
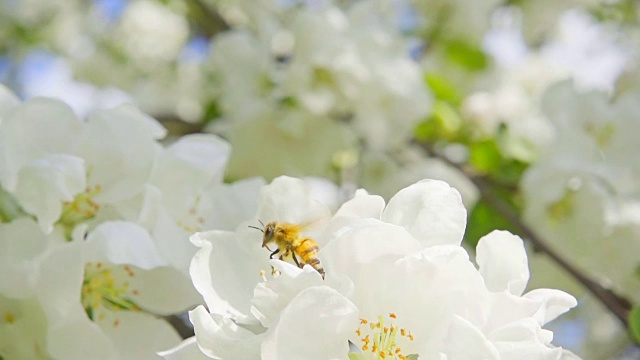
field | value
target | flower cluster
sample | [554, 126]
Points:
[590, 208]
[398, 284]
[96, 215]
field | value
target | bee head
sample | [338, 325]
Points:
[269, 231]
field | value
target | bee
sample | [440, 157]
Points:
[291, 245]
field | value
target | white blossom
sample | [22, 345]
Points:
[582, 194]
[397, 267]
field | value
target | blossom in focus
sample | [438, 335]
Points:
[397, 281]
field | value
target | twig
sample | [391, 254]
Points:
[618, 305]
[209, 20]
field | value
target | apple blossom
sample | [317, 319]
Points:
[582, 194]
[397, 284]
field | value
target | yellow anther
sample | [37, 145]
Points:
[393, 315]
[9, 317]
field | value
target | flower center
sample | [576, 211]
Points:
[379, 338]
[193, 221]
[81, 209]
[103, 289]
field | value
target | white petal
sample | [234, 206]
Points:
[366, 241]
[78, 338]
[465, 341]
[186, 167]
[272, 296]
[323, 190]
[524, 340]
[43, 185]
[224, 274]
[507, 308]
[186, 350]
[362, 205]
[502, 261]
[164, 291]
[7, 100]
[316, 325]
[291, 200]
[138, 335]
[221, 338]
[436, 283]
[431, 210]
[553, 303]
[120, 147]
[122, 242]
[32, 130]
[227, 205]
[365, 253]
[71, 335]
[172, 241]
[22, 243]
[23, 331]
[60, 282]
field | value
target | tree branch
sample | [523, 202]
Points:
[209, 20]
[618, 305]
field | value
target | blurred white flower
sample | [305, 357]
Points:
[593, 53]
[110, 250]
[397, 282]
[63, 170]
[590, 53]
[318, 78]
[80, 299]
[151, 32]
[583, 193]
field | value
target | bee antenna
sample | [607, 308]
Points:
[254, 227]
[261, 223]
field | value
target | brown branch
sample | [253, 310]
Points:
[618, 305]
[206, 18]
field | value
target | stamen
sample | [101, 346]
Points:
[103, 290]
[379, 338]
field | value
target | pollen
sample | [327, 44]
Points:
[380, 338]
[79, 210]
[106, 289]
[9, 317]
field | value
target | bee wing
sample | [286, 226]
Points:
[313, 224]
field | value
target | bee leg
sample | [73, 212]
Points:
[273, 253]
[295, 259]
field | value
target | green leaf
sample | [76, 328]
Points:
[467, 55]
[212, 111]
[447, 116]
[443, 89]
[483, 219]
[485, 156]
[426, 131]
[634, 324]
